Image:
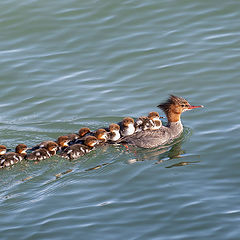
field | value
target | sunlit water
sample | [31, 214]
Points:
[69, 64]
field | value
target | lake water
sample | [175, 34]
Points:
[69, 64]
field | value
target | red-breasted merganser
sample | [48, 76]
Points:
[173, 108]
[44, 152]
[62, 142]
[11, 158]
[151, 122]
[80, 137]
[127, 126]
[72, 137]
[114, 134]
[155, 119]
[143, 123]
[101, 135]
[3, 150]
[77, 150]
[85, 131]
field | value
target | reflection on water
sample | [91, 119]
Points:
[90, 63]
[172, 151]
[134, 154]
[180, 164]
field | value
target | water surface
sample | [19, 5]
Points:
[65, 65]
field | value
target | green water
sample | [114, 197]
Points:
[69, 64]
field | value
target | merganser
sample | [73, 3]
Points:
[143, 123]
[173, 108]
[84, 132]
[79, 138]
[127, 127]
[40, 145]
[72, 137]
[3, 150]
[77, 150]
[114, 134]
[101, 135]
[155, 119]
[62, 142]
[11, 158]
[152, 122]
[44, 152]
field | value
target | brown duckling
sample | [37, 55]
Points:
[127, 126]
[102, 135]
[43, 153]
[155, 119]
[114, 132]
[77, 150]
[11, 158]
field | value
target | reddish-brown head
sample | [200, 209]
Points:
[63, 141]
[52, 147]
[101, 134]
[113, 127]
[83, 131]
[127, 121]
[3, 149]
[21, 149]
[174, 107]
[90, 141]
[153, 115]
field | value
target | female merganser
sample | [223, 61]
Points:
[11, 158]
[114, 134]
[127, 127]
[43, 153]
[173, 108]
[77, 150]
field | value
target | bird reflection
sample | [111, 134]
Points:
[160, 154]
[165, 153]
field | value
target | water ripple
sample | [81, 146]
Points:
[65, 65]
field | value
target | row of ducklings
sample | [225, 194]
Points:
[75, 145]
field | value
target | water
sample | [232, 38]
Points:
[64, 65]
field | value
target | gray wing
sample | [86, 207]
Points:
[148, 138]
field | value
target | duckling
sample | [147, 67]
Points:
[114, 132]
[62, 142]
[155, 119]
[151, 122]
[143, 123]
[43, 153]
[80, 137]
[102, 135]
[11, 158]
[3, 150]
[77, 150]
[85, 131]
[127, 126]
